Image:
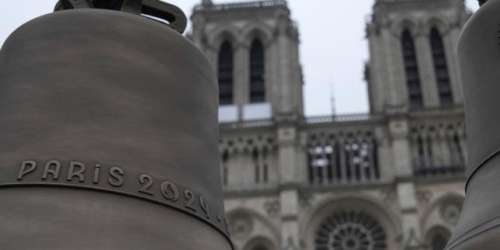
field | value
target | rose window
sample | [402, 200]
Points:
[240, 225]
[350, 231]
[450, 211]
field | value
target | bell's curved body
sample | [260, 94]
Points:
[109, 137]
[479, 56]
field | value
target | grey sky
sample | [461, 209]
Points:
[333, 48]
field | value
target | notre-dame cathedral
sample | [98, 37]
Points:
[387, 180]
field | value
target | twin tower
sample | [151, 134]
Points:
[110, 118]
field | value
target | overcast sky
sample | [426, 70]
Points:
[333, 48]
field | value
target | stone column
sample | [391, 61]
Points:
[450, 44]
[378, 70]
[412, 236]
[290, 178]
[296, 92]
[405, 187]
[302, 160]
[384, 151]
[285, 73]
[289, 199]
[198, 30]
[241, 76]
[401, 153]
[273, 75]
[288, 144]
[445, 149]
[211, 54]
[398, 93]
[426, 69]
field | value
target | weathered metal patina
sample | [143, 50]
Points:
[109, 120]
[479, 57]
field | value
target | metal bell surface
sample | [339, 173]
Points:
[109, 133]
[479, 56]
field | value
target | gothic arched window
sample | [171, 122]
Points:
[225, 167]
[438, 238]
[257, 70]
[225, 73]
[441, 67]
[255, 159]
[439, 242]
[260, 247]
[350, 230]
[411, 70]
[259, 243]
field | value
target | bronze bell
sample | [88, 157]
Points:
[109, 132]
[479, 57]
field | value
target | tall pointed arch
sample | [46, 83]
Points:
[439, 241]
[260, 243]
[441, 67]
[257, 71]
[260, 247]
[411, 70]
[225, 71]
[438, 237]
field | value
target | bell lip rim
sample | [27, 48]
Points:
[225, 235]
[470, 234]
[482, 163]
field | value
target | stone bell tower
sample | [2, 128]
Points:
[414, 82]
[255, 49]
[413, 64]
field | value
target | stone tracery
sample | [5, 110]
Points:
[342, 157]
[350, 230]
[438, 148]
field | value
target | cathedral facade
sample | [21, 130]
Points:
[387, 180]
